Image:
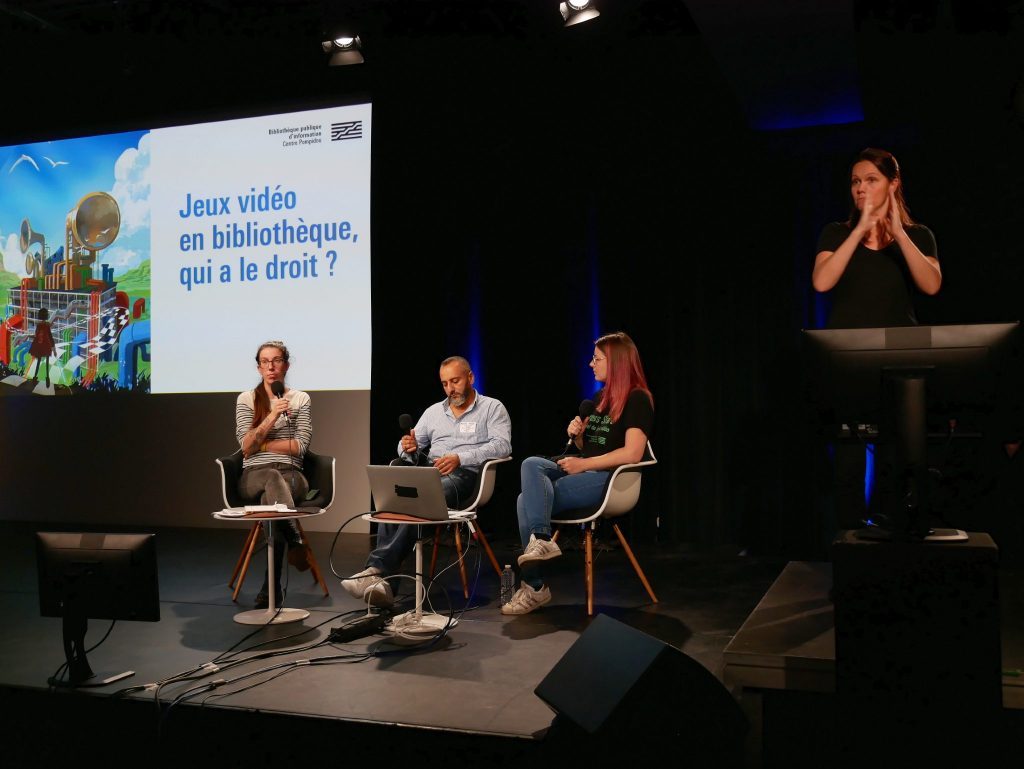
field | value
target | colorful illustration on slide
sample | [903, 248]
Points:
[67, 325]
[152, 250]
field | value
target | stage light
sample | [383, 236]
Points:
[343, 50]
[575, 11]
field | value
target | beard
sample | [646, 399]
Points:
[457, 400]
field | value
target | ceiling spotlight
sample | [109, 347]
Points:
[575, 11]
[343, 50]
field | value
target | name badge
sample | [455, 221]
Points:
[467, 427]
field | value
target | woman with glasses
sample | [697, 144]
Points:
[615, 434]
[274, 431]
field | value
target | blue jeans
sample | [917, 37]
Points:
[546, 491]
[396, 541]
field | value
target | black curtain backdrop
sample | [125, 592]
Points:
[524, 174]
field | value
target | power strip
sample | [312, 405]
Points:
[364, 626]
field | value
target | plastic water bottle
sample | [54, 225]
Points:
[508, 584]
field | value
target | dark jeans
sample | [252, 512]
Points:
[271, 484]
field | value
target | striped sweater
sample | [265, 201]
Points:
[298, 426]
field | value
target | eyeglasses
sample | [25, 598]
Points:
[595, 359]
[267, 363]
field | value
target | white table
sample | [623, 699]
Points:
[272, 615]
[417, 625]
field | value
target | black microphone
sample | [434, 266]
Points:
[406, 423]
[277, 388]
[586, 409]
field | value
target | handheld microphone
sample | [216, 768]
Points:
[585, 410]
[277, 388]
[405, 422]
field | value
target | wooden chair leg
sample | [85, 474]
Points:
[248, 557]
[462, 561]
[636, 564]
[318, 577]
[433, 556]
[554, 537]
[588, 539]
[479, 534]
[242, 556]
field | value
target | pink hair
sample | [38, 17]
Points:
[625, 373]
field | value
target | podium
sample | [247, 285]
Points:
[918, 659]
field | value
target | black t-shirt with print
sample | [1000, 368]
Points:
[603, 435]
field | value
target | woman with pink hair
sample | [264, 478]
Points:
[615, 434]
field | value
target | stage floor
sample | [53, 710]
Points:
[477, 682]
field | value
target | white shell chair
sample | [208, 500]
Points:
[620, 497]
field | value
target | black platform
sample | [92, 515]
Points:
[783, 663]
[469, 696]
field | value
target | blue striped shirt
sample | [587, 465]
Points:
[483, 432]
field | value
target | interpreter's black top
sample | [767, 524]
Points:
[876, 289]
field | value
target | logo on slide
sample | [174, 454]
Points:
[350, 129]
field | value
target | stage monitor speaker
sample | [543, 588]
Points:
[619, 683]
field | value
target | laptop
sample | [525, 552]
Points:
[408, 493]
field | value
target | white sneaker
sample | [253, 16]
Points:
[379, 594]
[539, 550]
[370, 587]
[527, 599]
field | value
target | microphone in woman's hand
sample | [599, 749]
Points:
[586, 409]
[277, 388]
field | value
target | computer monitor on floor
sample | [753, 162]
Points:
[83, 576]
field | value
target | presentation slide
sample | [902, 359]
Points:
[159, 260]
